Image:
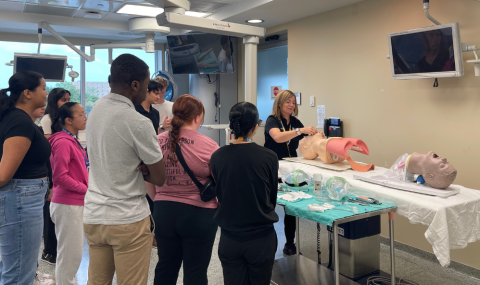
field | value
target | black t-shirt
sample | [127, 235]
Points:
[247, 181]
[281, 148]
[153, 115]
[17, 123]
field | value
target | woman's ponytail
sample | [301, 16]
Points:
[243, 119]
[185, 109]
[17, 84]
[6, 102]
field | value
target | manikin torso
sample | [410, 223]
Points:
[315, 146]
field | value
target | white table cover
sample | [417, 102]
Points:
[452, 222]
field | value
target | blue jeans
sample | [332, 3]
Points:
[21, 226]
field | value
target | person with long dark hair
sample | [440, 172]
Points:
[56, 98]
[23, 177]
[247, 180]
[185, 230]
[70, 179]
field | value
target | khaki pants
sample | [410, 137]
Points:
[125, 249]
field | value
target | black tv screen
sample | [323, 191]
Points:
[51, 67]
[201, 54]
[428, 51]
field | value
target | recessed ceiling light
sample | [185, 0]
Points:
[140, 10]
[255, 21]
[196, 14]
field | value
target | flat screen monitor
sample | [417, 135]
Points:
[201, 54]
[52, 67]
[430, 52]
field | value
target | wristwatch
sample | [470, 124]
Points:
[162, 128]
[298, 131]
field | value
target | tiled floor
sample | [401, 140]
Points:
[407, 266]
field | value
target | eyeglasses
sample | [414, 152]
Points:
[83, 116]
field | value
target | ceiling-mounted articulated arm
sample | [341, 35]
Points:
[426, 6]
[148, 45]
[46, 26]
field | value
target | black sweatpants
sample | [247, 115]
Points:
[184, 233]
[248, 262]
[49, 238]
[290, 223]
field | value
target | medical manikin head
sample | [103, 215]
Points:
[315, 146]
[436, 170]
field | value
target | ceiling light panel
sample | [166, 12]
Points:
[140, 10]
[196, 14]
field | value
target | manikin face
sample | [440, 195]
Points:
[289, 106]
[436, 170]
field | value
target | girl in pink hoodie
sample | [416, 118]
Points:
[70, 179]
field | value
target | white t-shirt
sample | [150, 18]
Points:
[46, 124]
[119, 139]
[225, 66]
[165, 110]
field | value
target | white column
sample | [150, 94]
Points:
[251, 45]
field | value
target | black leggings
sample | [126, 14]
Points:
[49, 238]
[184, 233]
[248, 262]
[290, 223]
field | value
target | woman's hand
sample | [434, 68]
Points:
[308, 130]
[50, 195]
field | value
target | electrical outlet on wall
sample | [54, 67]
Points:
[312, 101]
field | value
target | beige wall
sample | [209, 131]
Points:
[339, 57]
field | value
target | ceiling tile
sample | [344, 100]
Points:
[100, 5]
[80, 13]
[49, 10]
[209, 7]
[63, 3]
[11, 6]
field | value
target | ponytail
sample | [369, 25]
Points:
[17, 84]
[174, 136]
[184, 110]
[243, 119]
[6, 103]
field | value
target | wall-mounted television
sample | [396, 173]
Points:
[201, 54]
[52, 67]
[430, 52]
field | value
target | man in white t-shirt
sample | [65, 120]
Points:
[163, 106]
[116, 213]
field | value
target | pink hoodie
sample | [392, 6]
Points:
[70, 174]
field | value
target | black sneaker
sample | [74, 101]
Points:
[48, 258]
[290, 249]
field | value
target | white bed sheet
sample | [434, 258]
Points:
[452, 222]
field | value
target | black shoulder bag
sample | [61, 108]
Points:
[207, 190]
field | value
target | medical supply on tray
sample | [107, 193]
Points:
[317, 183]
[293, 196]
[298, 179]
[367, 200]
[337, 188]
[320, 208]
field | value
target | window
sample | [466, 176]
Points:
[97, 72]
[272, 71]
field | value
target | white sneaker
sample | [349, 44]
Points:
[43, 279]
